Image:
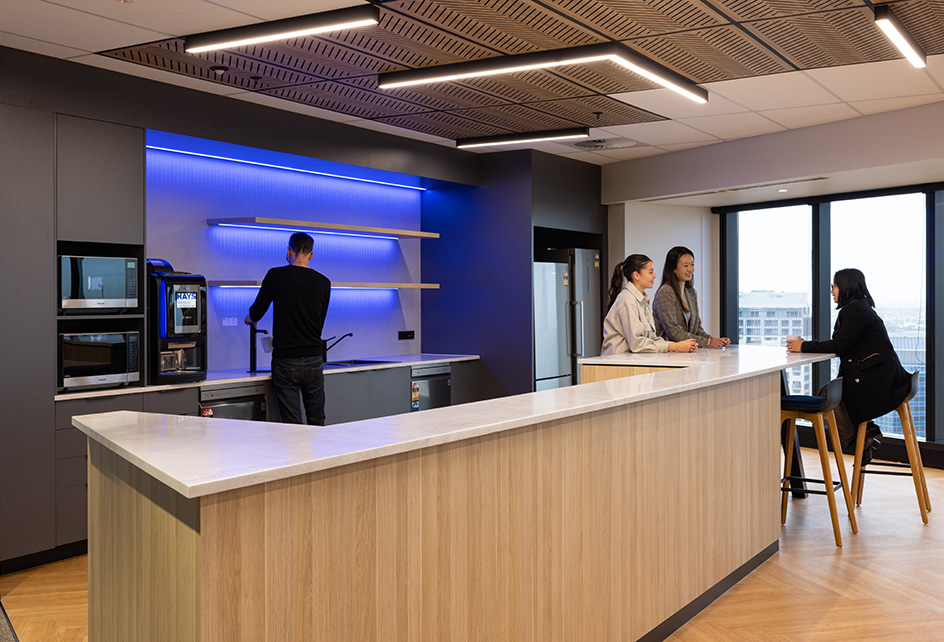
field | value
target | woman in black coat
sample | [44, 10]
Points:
[873, 381]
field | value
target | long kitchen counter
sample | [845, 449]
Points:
[235, 377]
[198, 456]
[606, 511]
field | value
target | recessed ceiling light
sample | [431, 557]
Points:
[782, 190]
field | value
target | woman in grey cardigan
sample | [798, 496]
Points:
[675, 304]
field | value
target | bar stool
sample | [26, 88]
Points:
[914, 455]
[814, 410]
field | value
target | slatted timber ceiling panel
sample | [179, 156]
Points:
[924, 20]
[827, 39]
[705, 41]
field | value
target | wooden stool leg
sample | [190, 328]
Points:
[841, 467]
[911, 446]
[827, 478]
[924, 482]
[857, 465]
[788, 462]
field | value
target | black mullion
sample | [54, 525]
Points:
[729, 275]
[821, 293]
[934, 331]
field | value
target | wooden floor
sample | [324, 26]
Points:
[886, 583]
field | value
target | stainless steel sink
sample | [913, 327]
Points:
[350, 363]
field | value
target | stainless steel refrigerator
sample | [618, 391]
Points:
[567, 322]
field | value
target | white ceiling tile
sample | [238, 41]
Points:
[38, 46]
[892, 104]
[733, 126]
[887, 79]
[774, 91]
[286, 8]
[796, 117]
[174, 17]
[683, 146]
[666, 102]
[630, 153]
[71, 28]
[658, 133]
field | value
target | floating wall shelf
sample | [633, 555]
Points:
[373, 286]
[331, 228]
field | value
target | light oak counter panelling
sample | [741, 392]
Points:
[597, 526]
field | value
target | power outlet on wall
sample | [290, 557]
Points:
[406, 334]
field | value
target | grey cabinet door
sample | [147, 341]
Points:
[71, 463]
[99, 181]
[27, 343]
[389, 391]
[347, 397]
[352, 396]
[465, 381]
[173, 402]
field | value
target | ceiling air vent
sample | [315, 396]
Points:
[599, 144]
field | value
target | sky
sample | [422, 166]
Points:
[884, 237]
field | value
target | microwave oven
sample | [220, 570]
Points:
[98, 359]
[98, 283]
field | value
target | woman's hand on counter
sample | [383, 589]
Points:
[794, 345]
[688, 345]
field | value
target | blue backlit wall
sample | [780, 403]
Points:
[184, 190]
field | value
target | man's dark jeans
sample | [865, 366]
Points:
[293, 376]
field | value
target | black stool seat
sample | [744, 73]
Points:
[814, 404]
[818, 411]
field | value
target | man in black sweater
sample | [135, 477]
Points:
[300, 297]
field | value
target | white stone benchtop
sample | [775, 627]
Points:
[199, 456]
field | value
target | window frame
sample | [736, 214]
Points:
[821, 274]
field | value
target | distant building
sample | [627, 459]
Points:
[910, 347]
[767, 318]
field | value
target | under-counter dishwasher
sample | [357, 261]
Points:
[234, 401]
[431, 386]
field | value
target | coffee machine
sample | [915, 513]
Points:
[177, 327]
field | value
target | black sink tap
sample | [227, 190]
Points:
[253, 331]
[324, 352]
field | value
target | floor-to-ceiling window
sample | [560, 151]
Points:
[885, 238]
[774, 281]
[778, 260]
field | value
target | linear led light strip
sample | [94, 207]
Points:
[896, 32]
[333, 287]
[526, 137]
[613, 52]
[290, 169]
[337, 20]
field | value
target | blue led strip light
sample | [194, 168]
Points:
[307, 230]
[333, 287]
[289, 169]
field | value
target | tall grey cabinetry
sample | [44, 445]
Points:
[27, 342]
[62, 180]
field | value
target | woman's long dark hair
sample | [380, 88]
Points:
[851, 284]
[671, 262]
[624, 270]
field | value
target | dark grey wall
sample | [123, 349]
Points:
[566, 194]
[50, 84]
[482, 262]
[28, 339]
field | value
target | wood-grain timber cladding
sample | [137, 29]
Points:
[706, 41]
